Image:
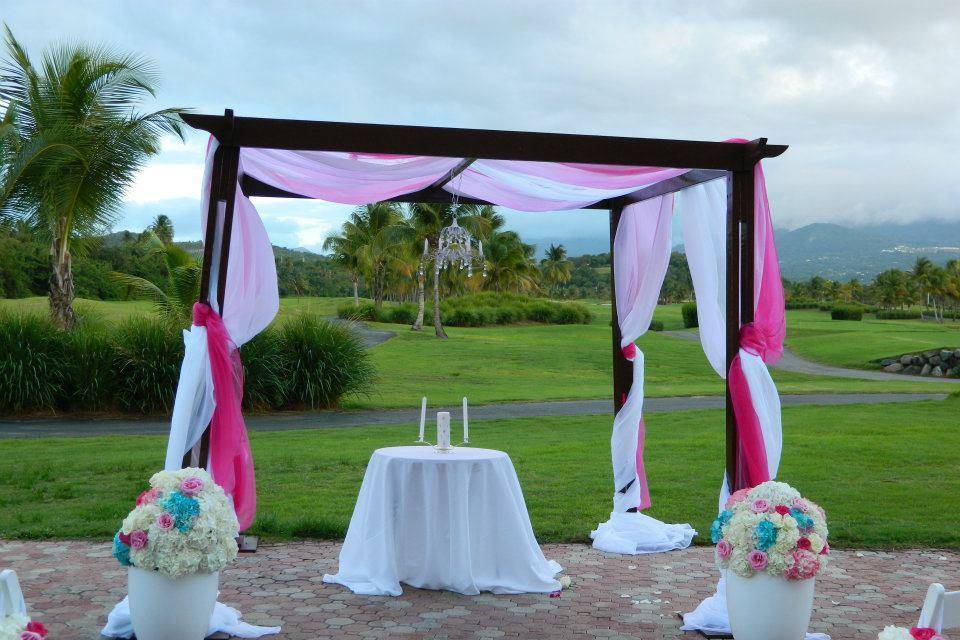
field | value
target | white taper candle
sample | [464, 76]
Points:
[423, 417]
[466, 421]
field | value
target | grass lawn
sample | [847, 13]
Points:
[814, 335]
[850, 459]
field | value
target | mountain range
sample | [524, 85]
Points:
[829, 250]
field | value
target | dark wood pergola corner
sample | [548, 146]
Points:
[733, 162]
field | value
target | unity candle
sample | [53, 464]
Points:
[443, 430]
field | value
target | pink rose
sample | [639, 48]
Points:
[30, 635]
[803, 543]
[801, 504]
[737, 496]
[38, 628]
[760, 506]
[138, 539]
[782, 509]
[723, 549]
[191, 486]
[147, 497]
[804, 565]
[757, 560]
[165, 521]
[825, 550]
[124, 538]
[923, 633]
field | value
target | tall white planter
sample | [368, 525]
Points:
[765, 607]
[164, 608]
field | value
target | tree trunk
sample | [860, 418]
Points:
[421, 282]
[61, 285]
[436, 304]
[356, 292]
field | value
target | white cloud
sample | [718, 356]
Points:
[161, 181]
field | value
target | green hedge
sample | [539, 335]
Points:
[656, 325]
[898, 314]
[846, 312]
[802, 303]
[477, 310]
[134, 366]
[689, 312]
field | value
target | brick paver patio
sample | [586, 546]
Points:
[72, 585]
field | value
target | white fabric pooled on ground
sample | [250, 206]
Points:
[224, 619]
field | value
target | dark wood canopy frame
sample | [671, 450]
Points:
[707, 161]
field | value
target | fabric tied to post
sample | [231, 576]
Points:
[630, 353]
[231, 462]
[752, 465]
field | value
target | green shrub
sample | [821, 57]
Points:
[898, 314]
[264, 377]
[148, 353]
[655, 325]
[846, 312]
[366, 311]
[405, 313]
[825, 306]
[802, 303]
[31, 364]
[89, 366]
[689, 312]
[569, 314]
[322, 362]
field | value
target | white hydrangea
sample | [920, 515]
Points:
[13, 626]
[773, 492]
[209, 542]
[894, 633]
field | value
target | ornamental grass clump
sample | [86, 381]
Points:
[31, 371]
[323, 362]
[148, 356]
[771, 528]
[183, 524]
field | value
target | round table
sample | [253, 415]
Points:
[455, 521]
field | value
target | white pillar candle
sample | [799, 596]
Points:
[423, 417]
[466, 421]
[443, 430]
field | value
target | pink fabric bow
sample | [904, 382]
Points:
[231, 462]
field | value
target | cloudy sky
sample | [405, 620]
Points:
[865, 93]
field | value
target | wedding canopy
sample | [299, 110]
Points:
[717, 187]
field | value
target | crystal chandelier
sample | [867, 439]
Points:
[456, 248]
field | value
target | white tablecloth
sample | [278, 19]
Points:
[455, 521]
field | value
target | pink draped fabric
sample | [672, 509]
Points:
[762, 338]
[230, 459]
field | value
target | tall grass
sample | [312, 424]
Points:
[148, 356]
[31, 356]
[89, 364]
[264, 385]
[323, 362]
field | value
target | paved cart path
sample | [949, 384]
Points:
[792, 362]
[282, 421]
[72, 585]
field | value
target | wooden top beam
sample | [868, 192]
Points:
[306, 135]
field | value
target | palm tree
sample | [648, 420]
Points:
[174, 304]
[162, 227]
[345, 251]
[922, 274]
[555, 266]
[510, 263]
[72, 141]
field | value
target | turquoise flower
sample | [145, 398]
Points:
[183, 508]
[804, 522]
[716, 529]
[765, 534]
[121, 551]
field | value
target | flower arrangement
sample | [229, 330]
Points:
[771, 528]
[183, 524]
[914, 633]
[19, 627]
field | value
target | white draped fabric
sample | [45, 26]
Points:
[224, 619]
[455, 521]
[703, 215]
[641, 255]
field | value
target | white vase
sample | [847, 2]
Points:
[765, 607]
[164, 608]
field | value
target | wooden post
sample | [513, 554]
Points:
[622, 368]
[223, 180]
[739, 281]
